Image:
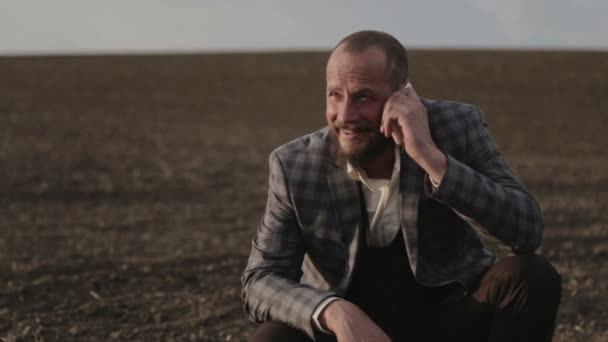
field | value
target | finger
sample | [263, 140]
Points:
[391, 127]
[387, 128]
[397, 135]
[411, 92]
[406, 89]
[385, 122]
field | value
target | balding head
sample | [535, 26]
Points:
[396, 55]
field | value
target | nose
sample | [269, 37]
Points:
[346, 111]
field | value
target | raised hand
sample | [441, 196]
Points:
[406, 119]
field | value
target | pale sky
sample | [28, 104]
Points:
[111, 26]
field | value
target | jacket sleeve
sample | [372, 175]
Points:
[270, 283]
[483, 190]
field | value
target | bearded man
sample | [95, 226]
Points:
[371, 229]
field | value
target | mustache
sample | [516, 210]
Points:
[363, 127]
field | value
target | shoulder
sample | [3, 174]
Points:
[445, 110]
[305, 152]
[451, 117]
[454, 125]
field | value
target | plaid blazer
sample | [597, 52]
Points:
[306, 243]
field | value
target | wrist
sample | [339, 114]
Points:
[329, 315]
[433, 161]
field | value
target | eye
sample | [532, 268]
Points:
[332, 94]
[364, 98]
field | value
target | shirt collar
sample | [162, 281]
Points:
[360, 175]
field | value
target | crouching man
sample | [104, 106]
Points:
[371, 229]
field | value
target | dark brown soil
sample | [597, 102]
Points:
[131, 186]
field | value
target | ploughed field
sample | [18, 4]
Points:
[130, 186]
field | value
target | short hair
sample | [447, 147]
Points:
[396, 56]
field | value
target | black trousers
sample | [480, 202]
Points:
[515, 300]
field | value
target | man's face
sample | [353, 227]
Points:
[357, 88]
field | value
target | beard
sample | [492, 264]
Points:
[362, 152]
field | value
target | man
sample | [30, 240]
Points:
[371, 225]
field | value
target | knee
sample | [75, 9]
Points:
[533, 271]
[274, 331]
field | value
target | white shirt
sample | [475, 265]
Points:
[382, 202]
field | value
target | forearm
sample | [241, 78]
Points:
[271, 281]
[275, 297]
[271, 288]
[433, 162]
[495, 199]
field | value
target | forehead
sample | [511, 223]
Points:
[368, 66]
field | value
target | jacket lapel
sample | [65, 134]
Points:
[411, 181]
[347, 203]
[346, 200]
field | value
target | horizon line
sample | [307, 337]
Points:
[230, 51]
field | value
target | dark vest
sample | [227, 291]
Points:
[384, 287]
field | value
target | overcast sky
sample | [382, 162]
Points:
[80, 26]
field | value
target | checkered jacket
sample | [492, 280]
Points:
[306, 243]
